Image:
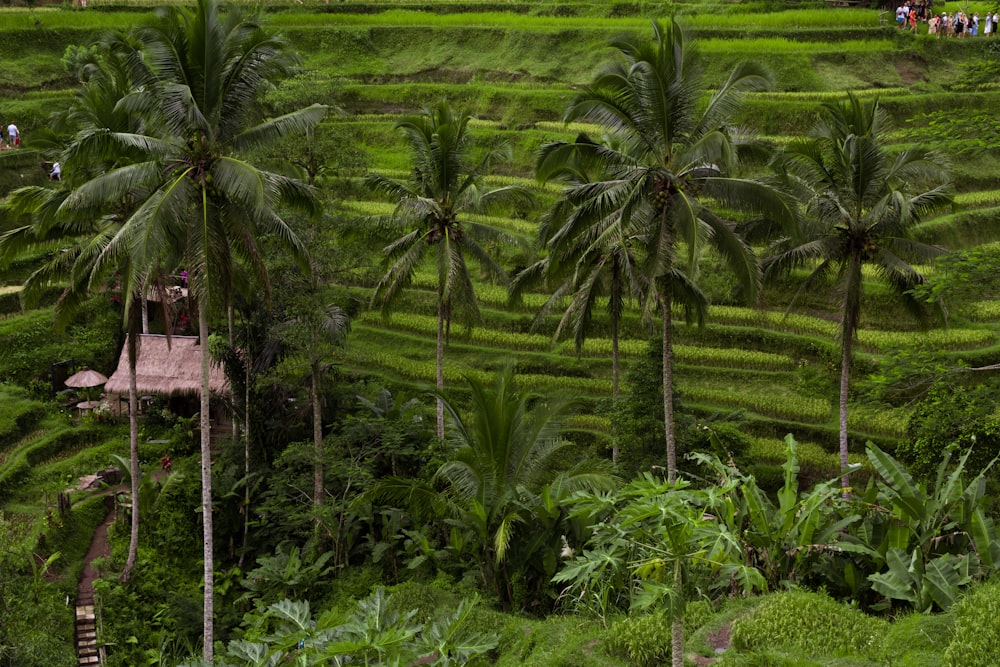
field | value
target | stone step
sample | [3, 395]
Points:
[89, 660]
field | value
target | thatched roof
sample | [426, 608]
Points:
[166, 370]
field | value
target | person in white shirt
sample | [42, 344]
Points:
[13, 136]
[56, 173]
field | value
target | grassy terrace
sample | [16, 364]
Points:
[516, 66]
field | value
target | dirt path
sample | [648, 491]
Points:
[99, 548]
[87, 652]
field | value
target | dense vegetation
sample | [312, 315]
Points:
[561, 225]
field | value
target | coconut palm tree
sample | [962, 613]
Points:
[432, 211]
[670, 157]
[586, 261]
[104, 81]
[861, 201]
[199, 76]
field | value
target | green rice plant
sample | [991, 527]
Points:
[578, 386]
[584, 422]
[799, 18]
[572, 128]
[814, 459]
[690, 354]
[879, 420]
[519, 227]
[20, 412]
[961, 230]
[20, 461]
[780, 45]
[781, 320]
[916, 640]
[427, 325]
[810, 625]
[984, 311]
[940, 339]
[975, 641]
[978, 199]
[423, 371]
[497, 295]
[827, 95]
[771, 403]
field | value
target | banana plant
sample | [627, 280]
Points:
[927, 543]
[790, 541]
[936, 582]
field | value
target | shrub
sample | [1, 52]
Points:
[645, 640]
[917, 640]
[557, 641]
[976, 639]
[810, 624]
[953, 418]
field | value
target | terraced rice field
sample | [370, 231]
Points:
[516, 66]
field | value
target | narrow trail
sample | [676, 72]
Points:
[87, 652]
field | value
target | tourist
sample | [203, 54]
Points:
[13, 135]
[974, 25]
[56, 173]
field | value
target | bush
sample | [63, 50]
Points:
[952, 418]
[976, 638]
[645, 640]
[917, 640]
[557, 641]
[810, 625]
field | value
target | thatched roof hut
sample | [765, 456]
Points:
[163, 370]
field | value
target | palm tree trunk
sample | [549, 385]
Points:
[849, 321]
[206, 487]
[246, 451]
[231, 315]
[440, 368]
[615, 359]
[845, 374]
[677, 627]
[668, 384]
[133, 441]
[615, 375]
[317, 442]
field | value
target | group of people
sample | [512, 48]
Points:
[963, 25]
[12, 139]
[957, 24]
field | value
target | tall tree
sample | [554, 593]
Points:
[200, 75]
[861, 201]
[433, 212]
[104, 81]
[586, 261]
[671, 157]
